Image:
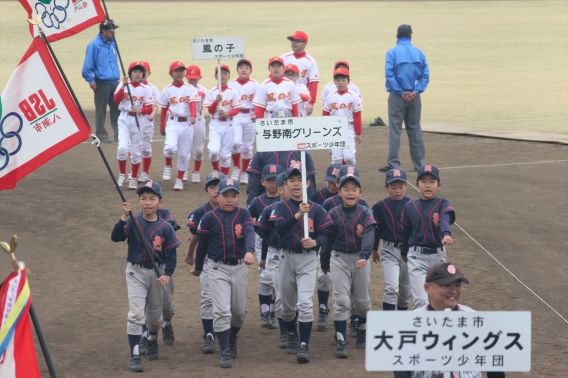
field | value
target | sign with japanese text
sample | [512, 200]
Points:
[63, 18]
[38, 117]
[448, 341]
[218, 48]
[302, 133]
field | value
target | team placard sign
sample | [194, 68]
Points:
[63, 18]
[38, 117]
[218, 48]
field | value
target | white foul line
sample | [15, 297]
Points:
[503, 266]
[505, 164]
[508, 120]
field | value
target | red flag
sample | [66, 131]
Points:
[63, 18]
[38, 117]
[17, 353]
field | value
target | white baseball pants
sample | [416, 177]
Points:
[347, 154]
[179, 137]
[221, 134]
[147, 136]
[199, 137]
[129, 139]
[244, 135]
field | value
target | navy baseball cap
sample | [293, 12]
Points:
[349, 177]
[332, 172]
[214, 176]
[281, 179]
[228, 184]
[108, 25]
[347, 169]
[395, 174]
[151, 186]
[292, 170]
[442, 273]
[428, 169]
[271, 170]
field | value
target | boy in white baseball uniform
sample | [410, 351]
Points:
[148, 133]
[291, 72]
[243, 122]
[223, 106]
[129, 136]
[193, 75]
[331, 87]
[180, 99]
[347, 103]
[276, 92]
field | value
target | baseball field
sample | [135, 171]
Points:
[501, 64]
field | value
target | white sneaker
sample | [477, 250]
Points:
[132, 183]
[178, 185]
[235, 174]
[185, 175]
[143, 177]
[244, 178]
[167, 173]
[195, 177]
[121, 179]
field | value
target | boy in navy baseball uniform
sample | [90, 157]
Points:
[388, 214]
[298, 268]
[426, 231]
[349, 246]
[330, 188]
[206, 310]
[226, 237]
[336, 200]
[144, 287]
[285, 159]
[258, 204]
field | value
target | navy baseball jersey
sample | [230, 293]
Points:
[159, 234]
[321, 195]
[291, 231]
[167, 215]
[267, 231]
[388, 215]
[353, 231]
[335, 201]
[258, 204]
[196, 215]
[426, 222]
[224, 236]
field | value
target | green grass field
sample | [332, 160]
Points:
[498, 65]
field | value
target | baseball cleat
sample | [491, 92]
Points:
[135, 363]
[341, 350]
[233, 346]
[208, 344]
[303, 354]
[225, 361]
[143, 177]
[386, 168]
[178, 185]
[185, 176]
[292, 343]
[132, 183]
[265, 321]
[120, 180]
[143, 345]
[353, 326]
[152, 352]
[322, 319]
[273, 321]
[283, 342]
[195, 177]
[167, 173]
[361, 341]
[168, 335]
[235, 174]
[244, 178]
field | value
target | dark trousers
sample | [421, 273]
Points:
[409, 113]
[104, 95]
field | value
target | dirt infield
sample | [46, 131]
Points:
[64, 213]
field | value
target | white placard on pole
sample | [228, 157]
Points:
[206, 48]
[448, 341]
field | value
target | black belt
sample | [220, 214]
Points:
[147, 265]
[394, 244]
[229, 262]
[296, 250]
[427, 250]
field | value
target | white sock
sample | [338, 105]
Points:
[264, 308]
[272, 307]
[340, 336]
[211, 336]
[135, 351]
[166, 323]
[151, 337]
[145, 334]
[322, 306]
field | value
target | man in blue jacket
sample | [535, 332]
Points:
[100, 70]
[407, 76]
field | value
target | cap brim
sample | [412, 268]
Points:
[207, 183]
[293, 171]
[449, 279]
[330, 178]
[189, 77]
[270, 175]
[396, 179]
[427, 173]
[229, 188]
[147, 188]
[345, 179]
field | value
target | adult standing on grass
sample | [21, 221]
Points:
[100, 70]
[407, 76]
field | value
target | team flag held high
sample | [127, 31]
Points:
[17, 354]
[38, 117]
[63, 18]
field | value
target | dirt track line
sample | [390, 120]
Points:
[506, 164]
[508, 120]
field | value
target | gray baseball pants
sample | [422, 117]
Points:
[297, 281]
[206, 310]
[409, 113]
[351, 286]
[144, 299]
[395, 271]
[417, 266]
[229, 294]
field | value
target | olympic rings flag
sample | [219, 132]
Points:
[63, 18]
[38, 117]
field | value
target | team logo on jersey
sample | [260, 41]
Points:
[239, 231]
[436, 219]
[310, 225]
[304, 73]
[295, 164]
[396, 173]
[157, 243]
[270, 97]
[360, 230]
[428, 168]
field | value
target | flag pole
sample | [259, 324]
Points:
[97, 143]
[43, 342]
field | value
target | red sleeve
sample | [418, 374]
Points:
[259, 112]
[304, 96]
[233, 112]
[163, 116]
[325, 113]
[295, 110]
[192, 109]
[357, 123]
[118, 96]
[313, 87]
[212, 108]
[147, 109]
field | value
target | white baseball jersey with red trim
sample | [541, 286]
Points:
[306, 65]
[178, 98]
[246, 90]
[201, 92]
[331, 87]
[273, 95]
[141, 95]
[230, 100]
[346, 103]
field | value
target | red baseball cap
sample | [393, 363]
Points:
[299, 35]
[175, 65]
[341, 71]
[193, 72]
[275, 59]
[146, 65]
[291, 67]
[344, 62]
[139, 63]
[223, 66]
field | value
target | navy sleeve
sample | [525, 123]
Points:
[325, 255]
[323, 221]
[171, 262]
[447, 217]
[310, 168]
[202, 242]
[248, 231]
[171, 242]
[367, 241]
[313, 186]
[252, 208]
[264, 250]
[254, 188]
[118, 232]
[406, 230]
[362, 202]
[378, 227]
